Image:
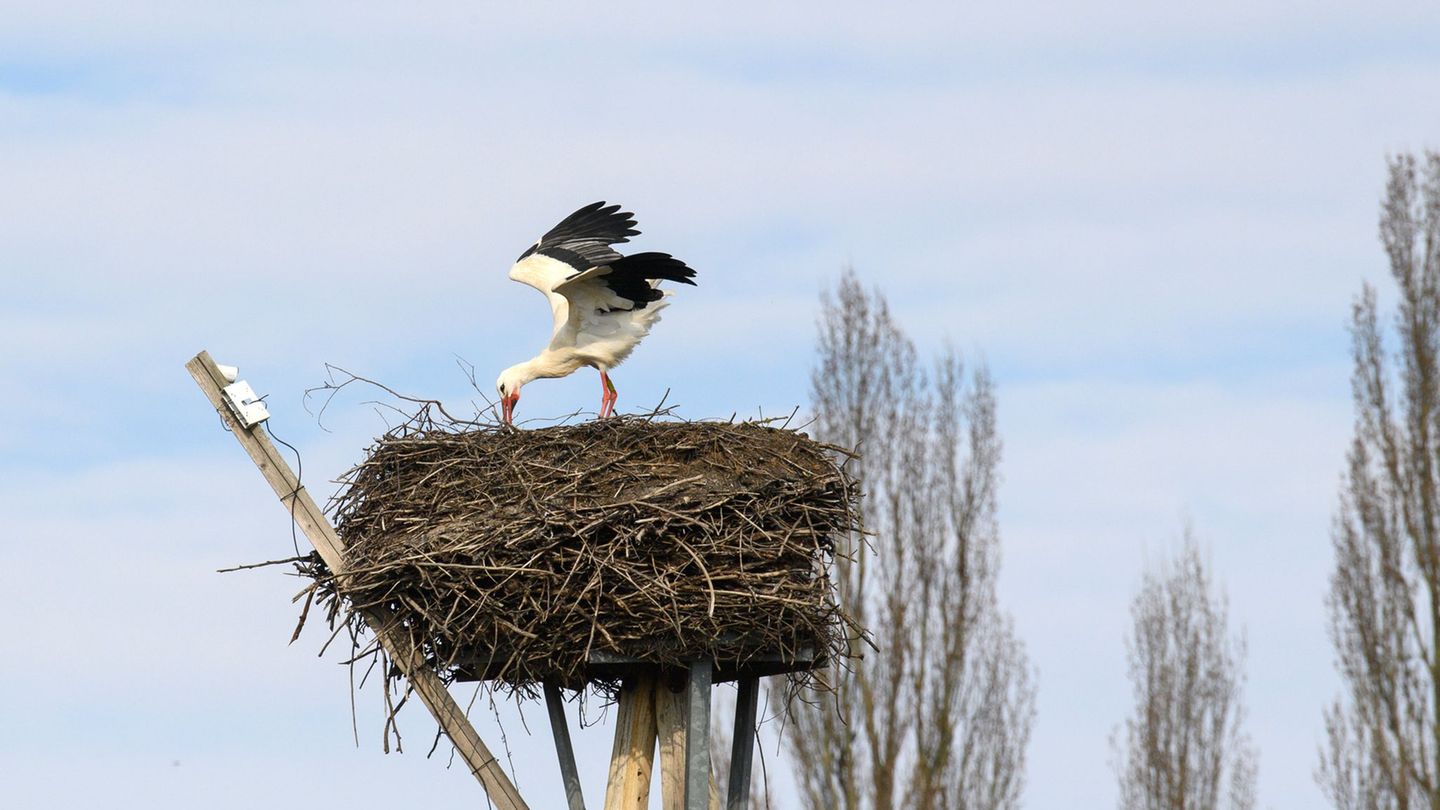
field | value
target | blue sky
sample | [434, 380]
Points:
[1148, 219]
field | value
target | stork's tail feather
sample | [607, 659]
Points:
[634, 276]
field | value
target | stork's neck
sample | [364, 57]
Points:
[547, 364]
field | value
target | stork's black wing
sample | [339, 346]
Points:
[634, 276]
[583, 239]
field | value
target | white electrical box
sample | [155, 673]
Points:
[246, 407]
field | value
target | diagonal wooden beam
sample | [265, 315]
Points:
[312, 521]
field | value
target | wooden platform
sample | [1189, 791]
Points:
[606, 666]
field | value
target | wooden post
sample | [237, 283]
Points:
[742, 745]
[312, 521]
[670, 721]
[560, 730]
[633, 757]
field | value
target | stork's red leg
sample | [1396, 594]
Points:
[607, 396]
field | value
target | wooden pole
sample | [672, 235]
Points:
[633, 757]
[312, 521]
[670, 721]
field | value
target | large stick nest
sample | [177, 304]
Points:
[524, 555]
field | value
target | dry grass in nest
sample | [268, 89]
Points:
[534, 550]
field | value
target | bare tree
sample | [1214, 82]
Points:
[939, 714]
[1383, 733]
[1183, 748]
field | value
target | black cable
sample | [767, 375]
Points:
[299, 482]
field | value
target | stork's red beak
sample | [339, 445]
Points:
[507, 407]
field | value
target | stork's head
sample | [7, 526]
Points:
[508, 387]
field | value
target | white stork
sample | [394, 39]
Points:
[604, 303]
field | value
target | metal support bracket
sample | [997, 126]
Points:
[742, 745]
[563, 749]
[697, 735]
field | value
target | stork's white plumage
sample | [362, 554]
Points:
[604, 303]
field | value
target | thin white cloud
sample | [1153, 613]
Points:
[1097, 475]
